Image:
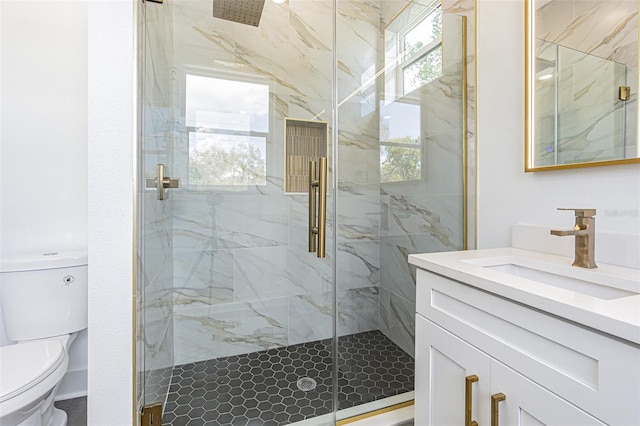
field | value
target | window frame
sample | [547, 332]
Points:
[406, 59]
[188, 129]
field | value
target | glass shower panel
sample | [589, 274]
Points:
[154, 250]
[400, 186]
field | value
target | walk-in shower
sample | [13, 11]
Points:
[238, 323]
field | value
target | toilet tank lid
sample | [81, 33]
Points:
[46, 260]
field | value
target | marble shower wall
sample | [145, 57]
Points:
[604, 29]
[427, 215]
[155, 267]
[359, 36]
[243, 279]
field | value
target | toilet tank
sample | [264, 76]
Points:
[44, 295]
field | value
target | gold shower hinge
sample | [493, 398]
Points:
[151, 415]
[624, 93]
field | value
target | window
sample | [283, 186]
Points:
[413, 58]
[420, 50]
[227, 122]
[400, 144]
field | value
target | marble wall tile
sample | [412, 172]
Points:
[439, 215]
[194, 219]
[357, 310]
[310, 317]
[229, 329]
[358, 216]
[218, 220]
[396, 274]
[383, 311]
[202, 277]
[397, 316]
[358, 33]
[264, 273]
[278, 271]
[310, 26]
[358, 264]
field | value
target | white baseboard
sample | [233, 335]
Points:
[73, 385]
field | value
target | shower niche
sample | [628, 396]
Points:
[304, 141]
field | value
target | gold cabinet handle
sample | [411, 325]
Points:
[319, 228]
[468, 394]
[495, 400]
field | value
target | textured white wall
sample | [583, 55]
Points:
[506, 194]
[111, 196]
[43, 200]
[44, 126]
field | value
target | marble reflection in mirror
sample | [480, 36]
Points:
[583, 82]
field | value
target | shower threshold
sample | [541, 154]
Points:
[358, 410]
[261, 388]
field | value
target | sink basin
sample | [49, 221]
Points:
[593, 282]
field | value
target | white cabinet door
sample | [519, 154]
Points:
[528, 404]
[443, 362]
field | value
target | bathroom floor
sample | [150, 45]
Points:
[264, 388]
[76, 410]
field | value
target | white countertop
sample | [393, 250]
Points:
[619, 317]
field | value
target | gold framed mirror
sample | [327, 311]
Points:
[581, 75]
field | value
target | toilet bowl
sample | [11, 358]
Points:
[31, 373]
[44, 307]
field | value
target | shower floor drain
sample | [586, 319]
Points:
[306, 384]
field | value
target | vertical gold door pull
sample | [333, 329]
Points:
[319, 228]
[322, 206]
[495, 400]
[313, 184]
[468, 396]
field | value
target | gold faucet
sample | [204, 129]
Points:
[585, 234]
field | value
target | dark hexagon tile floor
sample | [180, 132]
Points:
[261, 388]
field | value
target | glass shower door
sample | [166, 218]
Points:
[236, 112]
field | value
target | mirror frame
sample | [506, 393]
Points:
[529, 39]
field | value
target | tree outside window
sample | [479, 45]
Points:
[228, 123]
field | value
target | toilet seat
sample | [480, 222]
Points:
[30, 363]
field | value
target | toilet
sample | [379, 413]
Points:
[44, 306]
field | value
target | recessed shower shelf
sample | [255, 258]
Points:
[305, 141]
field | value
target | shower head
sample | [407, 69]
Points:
[243, 11]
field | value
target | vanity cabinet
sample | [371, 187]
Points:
[552, 371]
[447, 366]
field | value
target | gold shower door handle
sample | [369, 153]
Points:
[318, 210]
[313, 184]
[495, 411]
[468, 395]
[162, 182]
